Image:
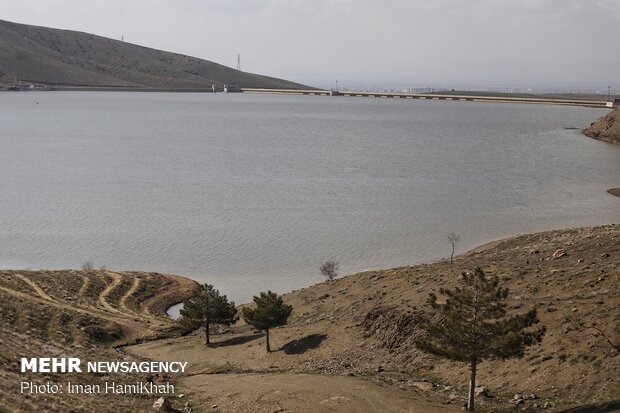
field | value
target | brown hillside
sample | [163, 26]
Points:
[78, 314]
[69, 58]
[606, 128]
[348, 345]
[360, 326]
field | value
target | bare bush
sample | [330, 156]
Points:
[330, 269]
[453, 239]
[88, 266]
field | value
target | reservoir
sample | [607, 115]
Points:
[254, 192]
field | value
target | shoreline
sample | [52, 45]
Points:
[544, 269]
[480, 248]
[127, 313]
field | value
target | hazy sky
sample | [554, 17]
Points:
[569, 44]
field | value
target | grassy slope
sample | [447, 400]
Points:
[62, 57]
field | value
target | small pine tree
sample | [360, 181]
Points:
[205, 307]
[330, 269]
[473, 325]
[270, 311]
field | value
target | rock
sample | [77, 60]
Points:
[422, 385]
[481, 391]
[519, 401]
[533, 396]
[517, 396]
[580, 260]
[379, 369]
[214, 406]
[559, 254]
[162, 405]
[605, 255]
[181, 396]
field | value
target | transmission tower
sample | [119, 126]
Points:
[239, 62]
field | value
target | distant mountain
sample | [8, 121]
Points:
[68, 58]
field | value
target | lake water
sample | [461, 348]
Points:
[253, 192]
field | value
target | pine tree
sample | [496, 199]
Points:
[473, 325]
[205, 307]
[270, 311]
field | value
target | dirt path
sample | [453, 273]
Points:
[35, 287]
[134, 286]
[84, 286]
[306, 393]
[103, 296]
[134, 327]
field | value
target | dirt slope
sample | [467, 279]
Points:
[348, 346]
[359, 326]
[62, 57]
[606, 129]
[78, 314]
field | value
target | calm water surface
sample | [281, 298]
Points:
[253, 192]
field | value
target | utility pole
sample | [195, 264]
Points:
[239, 62]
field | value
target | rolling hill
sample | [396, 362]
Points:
[56, 57]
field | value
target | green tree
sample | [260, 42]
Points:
[473, 325]
[269, 311]
[205, 307]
